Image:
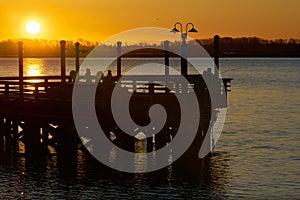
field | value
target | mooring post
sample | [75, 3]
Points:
[77, 56]
[216, 53]
[63, 60]
[119, 46]
[166, 47]
[21, 73]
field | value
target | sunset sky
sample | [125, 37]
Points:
[98, 19]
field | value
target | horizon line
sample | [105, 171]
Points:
[96, 41]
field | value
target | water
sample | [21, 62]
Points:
[257, 156]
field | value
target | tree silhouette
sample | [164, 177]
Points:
[229, 47]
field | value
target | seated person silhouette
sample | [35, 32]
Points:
[208, 72]
[109, 74]
[99, 75]
[88, 76]
[73, 75]
[108, 78]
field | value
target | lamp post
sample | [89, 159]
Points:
[183, 47]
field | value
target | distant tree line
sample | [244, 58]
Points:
[44, 48]
[229, 47]
[254, 47]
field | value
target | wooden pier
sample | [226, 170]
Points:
[42, 107]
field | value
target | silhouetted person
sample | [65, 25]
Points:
[109, 74]
[88, 76]
[73, 75]
[99, 75]
[208, 72]
[108, 78]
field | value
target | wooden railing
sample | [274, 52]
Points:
[32, 87]
[52, 88]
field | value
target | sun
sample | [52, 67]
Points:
[33, 27]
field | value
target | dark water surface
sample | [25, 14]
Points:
[257, 156]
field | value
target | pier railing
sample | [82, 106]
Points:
[51, 88]
[32, 87]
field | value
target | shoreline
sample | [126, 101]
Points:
[149, 56]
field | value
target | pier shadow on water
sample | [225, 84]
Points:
[82, 177]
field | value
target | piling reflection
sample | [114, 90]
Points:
[205, 178]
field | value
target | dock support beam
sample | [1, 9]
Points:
[77, 56]
[119, 44]
[63, 60]
[21, 72]
[32, 141]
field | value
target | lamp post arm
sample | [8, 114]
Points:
[186, 27]
[179, 25]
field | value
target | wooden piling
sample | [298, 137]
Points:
[21, 70]
[2, 134]
[166, 47]
[7, 132]
[77, 56]
[216, 51]
[63, 60]
[119, 45]
[32, 140]
[67, 141]
[14, 133]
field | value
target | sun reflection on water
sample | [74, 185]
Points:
[34, 67]
[33, 70]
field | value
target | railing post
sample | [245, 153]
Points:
[77, 56]
[63, 60]
[166, 47]
[216, 53]
[119, 46]
[21, 73]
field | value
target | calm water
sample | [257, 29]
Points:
[257, 156]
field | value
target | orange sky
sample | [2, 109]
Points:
[98, 19]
